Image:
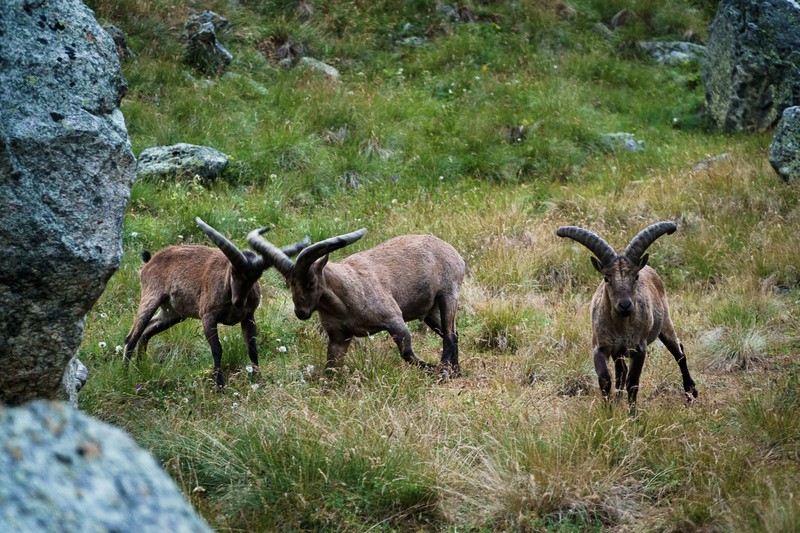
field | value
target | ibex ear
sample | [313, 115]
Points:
[596, 264]
[320, 263]
[643, 260]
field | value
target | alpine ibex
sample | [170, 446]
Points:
[629, 309]
[405, 278]
[216, 285]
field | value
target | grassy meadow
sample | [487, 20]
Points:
[417, 137]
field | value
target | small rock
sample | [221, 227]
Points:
[673, 52]
[565, 11]
[198, 19]
[603, 30]
[203, 50]
[622, 141]
[621, 18]
[705, 163]
[412, 42]
[180, 161]
[317, 65]
[455, 14]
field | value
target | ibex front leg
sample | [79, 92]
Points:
[601, 369]
[210, 330]
[620, 374]
[250, 337]
[338, 344]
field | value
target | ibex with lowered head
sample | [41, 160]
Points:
[629, 309]
[217, 285]
[405, 278]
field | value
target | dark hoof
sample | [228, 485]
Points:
[691, 395]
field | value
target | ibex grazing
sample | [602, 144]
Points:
[216, 285]
[405, 278]
[629, 309]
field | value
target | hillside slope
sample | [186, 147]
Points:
[485, 125]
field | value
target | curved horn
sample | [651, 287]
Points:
[645, 238]
[317, 250]
[604, 252]
[294, 249]
[234, 255]
[270, 252]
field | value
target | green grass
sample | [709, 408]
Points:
[416, 140]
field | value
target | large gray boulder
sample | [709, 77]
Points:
[180, 160]
[784, 152]
[66, 169]
[63, 471]
[751, 71]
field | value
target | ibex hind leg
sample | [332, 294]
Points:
[161, 322]
[402, 337]
[448, 306]
[637, 363]
[147, 309]
[434, 321]
[670, 340]
[620, 374]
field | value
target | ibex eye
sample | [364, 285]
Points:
[606, 279]
[636, 278]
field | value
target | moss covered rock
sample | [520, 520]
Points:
[751, 71]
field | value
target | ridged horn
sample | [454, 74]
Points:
[600, 248]
[234, 255]
[319, 249]
[645, 238]
[294, 249]
[270, 252]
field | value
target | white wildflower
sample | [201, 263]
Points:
[102, 344]
[282, 349]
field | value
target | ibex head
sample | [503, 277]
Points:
[304, 277]
[246, 266]
[620, 272]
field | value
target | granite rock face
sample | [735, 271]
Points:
[180, 161]
[66, 169]
[751, 70]
[784, 152]
[64, 471]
